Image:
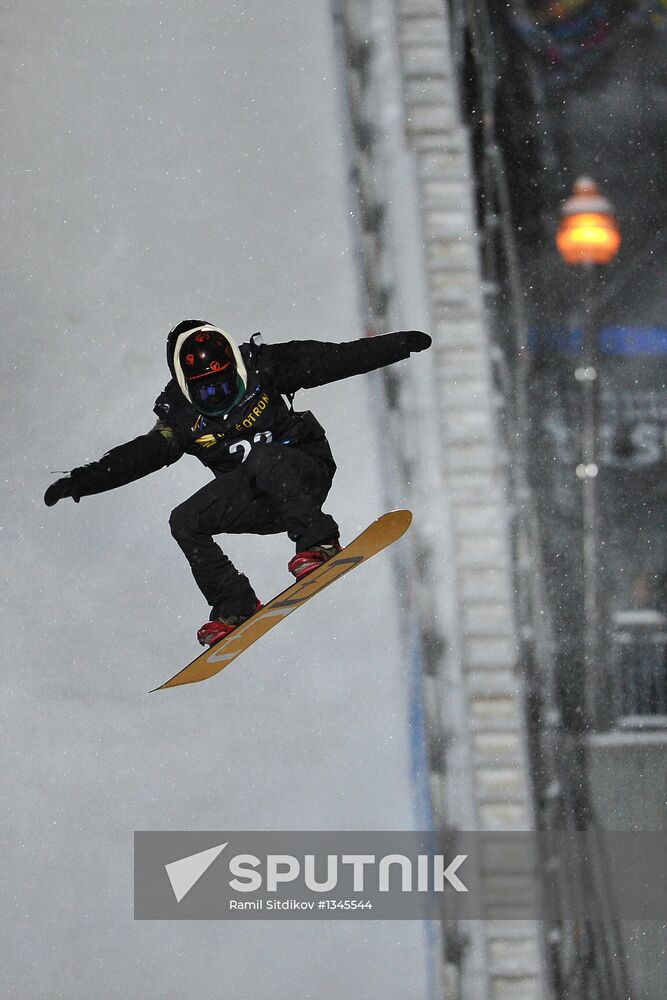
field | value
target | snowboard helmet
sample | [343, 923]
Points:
[207, 365]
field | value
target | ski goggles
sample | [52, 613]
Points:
[214, 393]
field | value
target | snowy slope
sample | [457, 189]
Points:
[163, 161]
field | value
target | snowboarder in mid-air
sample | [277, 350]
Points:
[272, 465]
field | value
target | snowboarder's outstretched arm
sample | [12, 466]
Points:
[304, 364]
[133, 460]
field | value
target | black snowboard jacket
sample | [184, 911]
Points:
[262, 416]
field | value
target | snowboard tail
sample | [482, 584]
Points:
[374, 539]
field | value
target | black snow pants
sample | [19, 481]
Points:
[277, 488]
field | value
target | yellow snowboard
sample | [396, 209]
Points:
[377, 536]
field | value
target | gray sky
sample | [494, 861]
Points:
[161, 161]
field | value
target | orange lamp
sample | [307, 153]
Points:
[588, 232]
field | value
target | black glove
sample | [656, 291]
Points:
[416, 340]
[60, 489]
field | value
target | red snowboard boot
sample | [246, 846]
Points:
[213, 631]
[304, 563]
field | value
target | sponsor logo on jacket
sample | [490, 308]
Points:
[212, 438]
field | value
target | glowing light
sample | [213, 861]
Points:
[588, 232]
